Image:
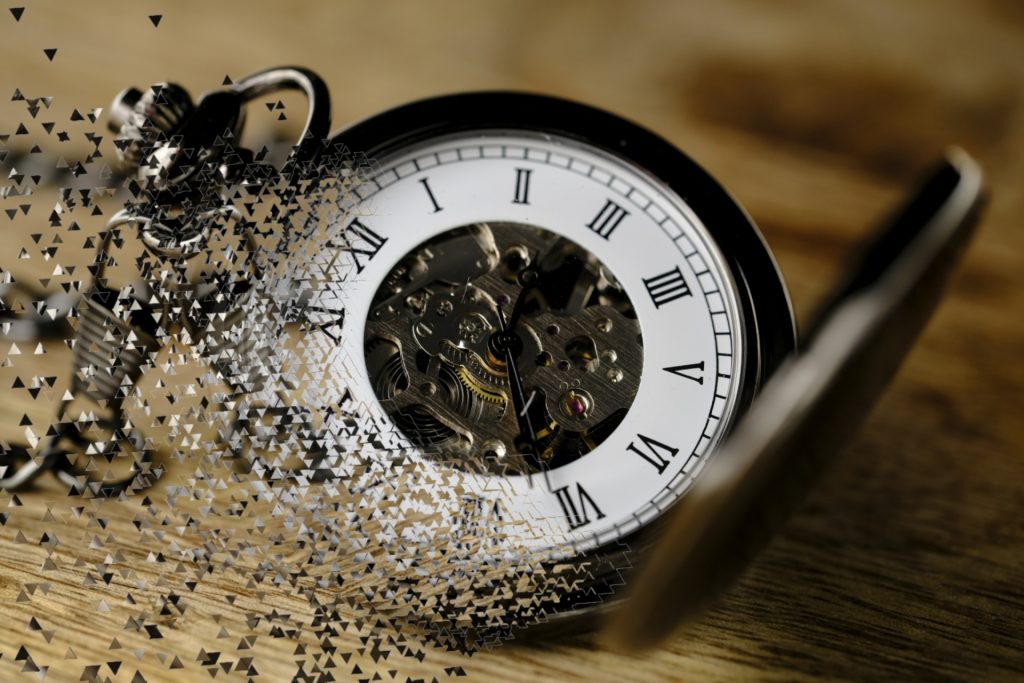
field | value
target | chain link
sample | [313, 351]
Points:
[185, 162]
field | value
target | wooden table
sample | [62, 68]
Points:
[906, 563]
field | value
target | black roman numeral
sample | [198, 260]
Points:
[361, 241]
[330, 321]
[691, 371]
[575, 506]
[480, 508]
[607, 219]
[667, 287]
[426, 186]
[652, 452]
[522, 194]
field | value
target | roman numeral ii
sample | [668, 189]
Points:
[522, 194]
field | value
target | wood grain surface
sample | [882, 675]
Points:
[907, 563]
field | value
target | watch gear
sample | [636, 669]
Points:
[439, 367]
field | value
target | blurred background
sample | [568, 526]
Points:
[817, 115]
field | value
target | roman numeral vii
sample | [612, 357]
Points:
[577, 506]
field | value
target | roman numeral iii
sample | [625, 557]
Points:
[607, 219]
[667, 287]
[653, 451]
[577, 506]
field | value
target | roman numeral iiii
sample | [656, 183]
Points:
[667, 287]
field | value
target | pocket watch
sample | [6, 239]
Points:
[529, 299]
[557, 299]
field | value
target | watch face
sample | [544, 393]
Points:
[543, 314]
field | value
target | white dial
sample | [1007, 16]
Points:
[648, 243]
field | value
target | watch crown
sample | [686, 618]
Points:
[144, 119]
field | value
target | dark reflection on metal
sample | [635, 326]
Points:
[807, 411]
